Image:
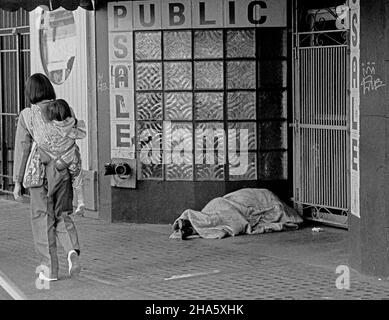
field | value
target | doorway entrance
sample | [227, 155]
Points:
[14, 70]
[321, 116]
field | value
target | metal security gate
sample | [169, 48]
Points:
[321, 187]
[14, 70]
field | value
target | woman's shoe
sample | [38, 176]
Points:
[74, 263]
[45, 278]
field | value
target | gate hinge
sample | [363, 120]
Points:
[297, 195]
[295, 125]
[295, 55]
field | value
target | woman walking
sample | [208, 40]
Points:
[49, 214]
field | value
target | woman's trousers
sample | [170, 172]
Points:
[50, 221]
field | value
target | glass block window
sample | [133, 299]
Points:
[208, 44]
[241, 44]
[177, 45]
[211, 105]
[178, 106]
[178, 150]
[209, 75]
[241, 75]
[210, 151]
[148, 46]
[178, 76]
[148, 76]
[241, 105]
[149, 106]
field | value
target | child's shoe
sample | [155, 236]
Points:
[80, 211]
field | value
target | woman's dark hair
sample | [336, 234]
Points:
[58, 110]
[39, 88]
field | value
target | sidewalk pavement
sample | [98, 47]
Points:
[140, 262]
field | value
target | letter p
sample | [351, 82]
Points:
[119, 12]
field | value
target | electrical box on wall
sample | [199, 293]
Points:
[122, 172]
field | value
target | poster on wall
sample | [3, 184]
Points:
[354, 105]
[57, 39]
[59, 49]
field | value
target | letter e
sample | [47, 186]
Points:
[122, 134]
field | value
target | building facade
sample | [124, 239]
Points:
[198, 102]
[207, 97]
[189, 100]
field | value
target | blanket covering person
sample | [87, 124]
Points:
[246, 211]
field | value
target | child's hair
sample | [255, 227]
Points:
[58, 110]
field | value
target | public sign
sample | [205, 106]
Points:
[196, 14]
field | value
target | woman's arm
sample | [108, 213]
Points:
[23, 143]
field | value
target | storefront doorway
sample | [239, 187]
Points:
[14, 69]
[321, 116]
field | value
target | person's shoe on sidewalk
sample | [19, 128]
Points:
[74, 263]
[43, 277]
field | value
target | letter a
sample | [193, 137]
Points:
[343, 281]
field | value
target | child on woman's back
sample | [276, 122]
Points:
[65, 151]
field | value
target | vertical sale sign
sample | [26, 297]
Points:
[354, 6]
[121, 82]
